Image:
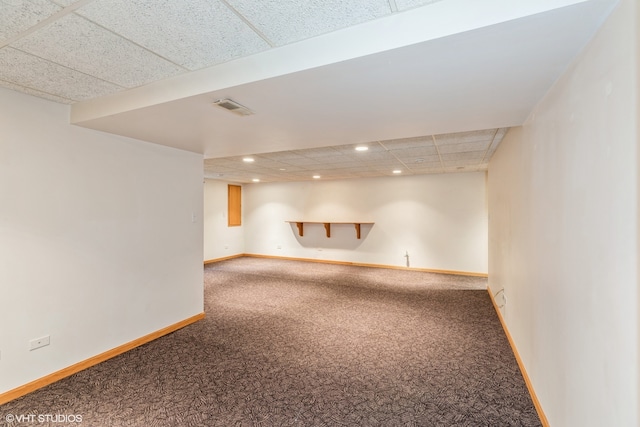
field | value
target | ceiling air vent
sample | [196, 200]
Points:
[234, 107]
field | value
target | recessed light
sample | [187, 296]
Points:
[397, 171]
[248, 159]
[255, 180]
[316, 176]
[282, 169]
[362, 148]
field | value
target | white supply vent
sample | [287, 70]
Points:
[233, 106]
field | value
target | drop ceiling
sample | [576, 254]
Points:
[429, 86]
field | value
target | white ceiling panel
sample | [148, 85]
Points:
[398, 144]
[86, 47]
[66, 3]
[32, 72]
[424, 166]
[17, 16]
[410, 4]
[465, 137]
[192, 33]
[466, 146]
[471, 155]
[35, 92]
[288, 21]
[415, 152]
[318, 152]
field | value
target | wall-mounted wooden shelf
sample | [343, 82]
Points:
[327, 226]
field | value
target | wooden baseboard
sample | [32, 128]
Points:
[527, 380]
[358, 264]
[80, 366]
[211, 261]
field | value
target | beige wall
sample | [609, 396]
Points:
[98, 241]
[563, 234]
[440, 220]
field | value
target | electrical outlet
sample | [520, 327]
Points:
[39, 342]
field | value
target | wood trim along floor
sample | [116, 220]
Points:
[323, 261]
[211, 261]
[77, 367]
[534, 398]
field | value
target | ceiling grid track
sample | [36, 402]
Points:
[156, 54]
[41, 91]
[433, 137]
[484, 157]
[51, 19]
[394, 156]
[68, 68]
[248, 23]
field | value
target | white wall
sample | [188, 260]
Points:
[97, 243]
[440, 220]
[563, 230]
[220, 240]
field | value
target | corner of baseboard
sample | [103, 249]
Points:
[523, 371]
[92, 361]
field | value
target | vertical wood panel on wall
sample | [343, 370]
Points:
[235, 205]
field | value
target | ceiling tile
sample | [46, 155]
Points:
[86, 47]
[32, 72]
[466, 146]
[422, 159]
[335, 163]
[398, 144]
[469, 155]
[35, 92]
[410, 4]
[464, 137]
[192, 33]
[282, 156]
[418, 167]
[415, 152]
[288, 21]
[318, 153]
[18, 17]
[342, 161]
[65, 3]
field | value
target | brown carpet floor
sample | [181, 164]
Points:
[289, 343]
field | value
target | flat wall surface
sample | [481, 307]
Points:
[423, 221]
[220, 240]
[563, 230]
[100, 239]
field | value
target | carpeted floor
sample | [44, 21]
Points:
[289, 343]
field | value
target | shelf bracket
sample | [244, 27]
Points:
[327, 227]
[300, 228]
[357, 229]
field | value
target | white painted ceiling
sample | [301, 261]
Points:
[430, 86]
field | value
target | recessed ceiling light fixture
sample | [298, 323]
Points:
[397, 171]
[316, 176]
[256, 180]
[362, 148]
[233, 107]
[248, 160]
